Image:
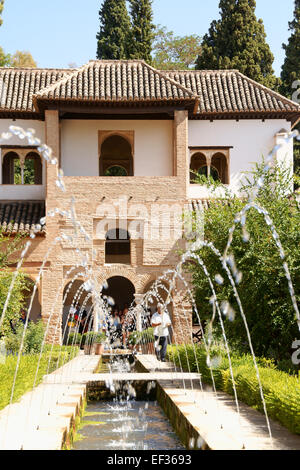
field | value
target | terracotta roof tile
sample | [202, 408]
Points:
[225, 91]
[107, 81]
[17, 86]
[21, 217]
[219, 92]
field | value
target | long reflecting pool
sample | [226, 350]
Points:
[125, 425]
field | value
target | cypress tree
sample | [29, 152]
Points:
[142, 34]
[113, 36]
[238, 41]
[1, 10]
[291, 67]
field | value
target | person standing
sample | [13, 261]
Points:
[161, 322]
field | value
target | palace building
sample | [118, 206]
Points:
[129, 140]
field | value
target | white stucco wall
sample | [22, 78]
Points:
[22, 192]
[250, 139]
[153, 142]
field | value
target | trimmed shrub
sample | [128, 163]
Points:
[92, 337]
[74, 339]
[141, 337]
[33, 338]
[281, 391]
[50, 361]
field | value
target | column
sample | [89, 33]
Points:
[181, 155]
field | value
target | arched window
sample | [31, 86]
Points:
[116, 157]
[117, 247]
[210, 163]
[33, 169]
[198, 165]
[220, 166]
[11, 169]
[21, 167]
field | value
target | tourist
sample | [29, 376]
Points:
[24, 316]
[161, 322]
[83, 327]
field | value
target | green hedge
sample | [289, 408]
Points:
[281, 390]
[141, 337]
[27, 371]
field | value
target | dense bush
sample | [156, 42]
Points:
[33, 338]
[74, 339]
[27, 369]
[141, 337]
[281, 391]
[10, 249]
[263, 289]
[93, 337]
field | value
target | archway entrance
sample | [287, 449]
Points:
[77, 302]
[121, 290]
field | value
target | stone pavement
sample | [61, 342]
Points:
[214, 416]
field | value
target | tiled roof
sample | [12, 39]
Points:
[220, 93]
[17, 86]
[21, 217]
[229, 91]
[116, 81]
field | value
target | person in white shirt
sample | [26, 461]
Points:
[161, 322]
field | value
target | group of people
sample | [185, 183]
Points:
[120, 324]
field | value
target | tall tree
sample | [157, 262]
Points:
[4, 58]
[238, 41]
[175, 52]
[1, 10]
[290, 74]
[22, 59]
[142, 29]
[291, 67]
[115, 28]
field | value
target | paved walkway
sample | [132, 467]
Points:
[215, 417]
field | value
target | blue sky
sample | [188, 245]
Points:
[60, 32]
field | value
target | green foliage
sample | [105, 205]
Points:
[33, 338]
[141, 337]
[1, 10]
[4, 58]
[115, 29]
[281, 391]
[8, 248]
[22, 59]
[291, 67]
[27, 371]
[74, 339]
[264, 288]
[16, 301]
[142, 30]
[173, 52]
[238, 41]
[93, 338]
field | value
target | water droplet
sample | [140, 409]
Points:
[219, 279]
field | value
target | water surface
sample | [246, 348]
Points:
[132, 425]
